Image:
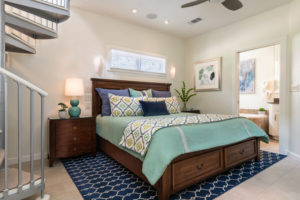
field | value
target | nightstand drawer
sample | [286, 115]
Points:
[82, 139]
[73, 127]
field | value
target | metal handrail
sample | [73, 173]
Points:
[23, 82]
[34, 184]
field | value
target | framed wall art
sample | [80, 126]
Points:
[247, 76]
[208, 75]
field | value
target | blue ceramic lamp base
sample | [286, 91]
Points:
[74, 111]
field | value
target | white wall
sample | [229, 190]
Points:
[82, 38]
[265, 28]
[226, 42]
[264, 71]
[295, 71]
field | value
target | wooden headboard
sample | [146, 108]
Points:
[119, 85]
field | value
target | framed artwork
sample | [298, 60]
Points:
[247, 76]
[208, 75]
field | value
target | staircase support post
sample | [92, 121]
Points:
[2, 64]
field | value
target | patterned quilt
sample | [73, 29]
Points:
[137, 134]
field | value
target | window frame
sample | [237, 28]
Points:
[135, 71]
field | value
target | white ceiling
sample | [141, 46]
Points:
[214, 15]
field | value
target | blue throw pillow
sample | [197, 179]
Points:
[103, 93]
[154, 108]
[156, 93]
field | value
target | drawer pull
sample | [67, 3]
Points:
[200, 167]
[75, 138]
[75, 149]
[242, 151]
[74, 128]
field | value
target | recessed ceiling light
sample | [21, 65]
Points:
[134, 11]
[166, 22]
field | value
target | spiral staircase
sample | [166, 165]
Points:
[22, 23]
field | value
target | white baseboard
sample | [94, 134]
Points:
[25, 158]
[294, 156]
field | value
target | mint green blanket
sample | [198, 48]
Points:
[162, 150]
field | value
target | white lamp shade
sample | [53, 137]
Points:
[74, 87]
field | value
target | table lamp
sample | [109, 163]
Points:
[74, 89]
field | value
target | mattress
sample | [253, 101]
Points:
[111, 129]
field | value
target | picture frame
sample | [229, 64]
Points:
[247, 76]
[208, 75]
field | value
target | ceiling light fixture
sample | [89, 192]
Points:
[166, 22]
[134, 11]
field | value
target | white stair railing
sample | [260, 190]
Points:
[44, 23]
[35, 185]
[21, 36]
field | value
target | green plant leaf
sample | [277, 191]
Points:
[179, 94]
[188, 92]
[191, 96]
[63, 106]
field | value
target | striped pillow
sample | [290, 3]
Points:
[136, 93]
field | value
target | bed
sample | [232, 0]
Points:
[184, 170]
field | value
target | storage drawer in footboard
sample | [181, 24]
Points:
[239, 153]
[196, 169]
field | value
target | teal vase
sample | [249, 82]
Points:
[74, 111]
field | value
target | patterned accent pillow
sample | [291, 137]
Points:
[125, 106]
[172, 103]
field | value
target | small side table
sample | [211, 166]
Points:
[192, 111]
[71, 137]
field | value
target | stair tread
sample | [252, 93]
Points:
[12, 44]
[30, 28]
[13, 178]
[42, 9]
[1, 156]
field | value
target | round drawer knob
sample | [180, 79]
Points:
[200, 166]
[74, 128]
[242, 151]
[75, 149]
[75, 138]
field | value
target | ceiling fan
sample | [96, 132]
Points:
[229, 4]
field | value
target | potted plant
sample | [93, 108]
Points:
[62, 113]
[261, 111]
[185, 95]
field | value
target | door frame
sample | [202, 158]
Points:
[284, 88]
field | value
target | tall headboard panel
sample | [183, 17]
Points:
[119, 85]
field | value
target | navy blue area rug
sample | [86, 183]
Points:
[104, 178]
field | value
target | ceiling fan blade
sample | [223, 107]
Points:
[194, 3]
[232, 4]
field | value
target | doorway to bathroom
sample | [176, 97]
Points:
[259, 90]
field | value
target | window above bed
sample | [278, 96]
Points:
[132, 61]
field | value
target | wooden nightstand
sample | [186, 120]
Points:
[192, 111]
[71, 137]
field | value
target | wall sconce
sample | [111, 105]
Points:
[173, 71]
[97, 64]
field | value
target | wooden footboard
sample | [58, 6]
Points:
[191, 168]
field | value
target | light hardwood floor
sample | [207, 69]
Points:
[279, 182]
